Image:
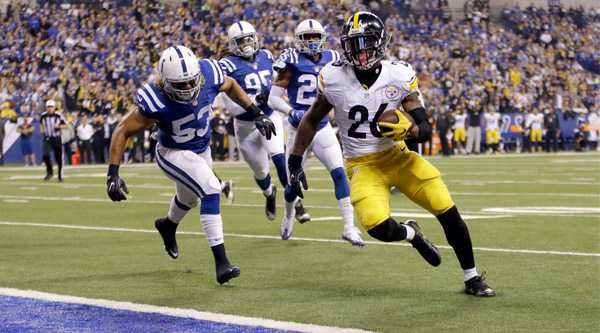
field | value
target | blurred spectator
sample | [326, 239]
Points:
[552, 126]
[26, 130]
[442, 124]
[217, 124]
[474, 110]
[232, 142]
[68, 138]
[7, 113]
[98, 138]
[534, 122]
[594, 134]
[85, 132]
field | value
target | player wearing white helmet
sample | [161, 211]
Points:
[361, 90]
[298, 69]
[252, 68]
[180, 105]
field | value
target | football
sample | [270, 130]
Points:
[390, 116]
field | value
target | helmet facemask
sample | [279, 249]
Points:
[184, 91]
[244, 46]
[364, 50]
[310, 42]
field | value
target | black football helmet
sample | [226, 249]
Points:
[364, 40]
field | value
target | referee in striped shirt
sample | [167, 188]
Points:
[51, 123]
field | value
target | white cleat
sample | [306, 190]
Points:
[287, 227]
[352, 235]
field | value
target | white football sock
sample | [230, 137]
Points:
[290, 209]
[176, 213]
[470, 273]
[213, 228]
[410, 232]
[347, 211]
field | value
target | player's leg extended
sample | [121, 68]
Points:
[47, 148]
[192, 171]
[254, 151]
[292, 205]
[328, 151]
[422, 183]
[276, 148]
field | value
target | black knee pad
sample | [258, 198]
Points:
[388, 231]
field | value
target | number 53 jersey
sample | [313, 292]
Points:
[183, 126]
[358, 107]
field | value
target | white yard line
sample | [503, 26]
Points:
[299, 239]
[407, 211]
[177, 312]
[320, 190]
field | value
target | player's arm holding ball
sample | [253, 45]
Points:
[264, 125]
[411, 123]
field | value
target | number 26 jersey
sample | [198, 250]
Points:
[358, 107]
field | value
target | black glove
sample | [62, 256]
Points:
[263, 98]
[115, 186]
[265, 126]
[297, 175]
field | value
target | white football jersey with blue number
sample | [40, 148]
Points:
[357, 107]
[183, 126]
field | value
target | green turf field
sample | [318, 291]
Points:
[544, 259]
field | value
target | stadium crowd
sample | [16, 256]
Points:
[90, 59]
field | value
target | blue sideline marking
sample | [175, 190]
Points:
[20, 315]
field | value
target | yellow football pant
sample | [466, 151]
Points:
[492, 136]
[535, 135]
[372, 176]
[460, 135]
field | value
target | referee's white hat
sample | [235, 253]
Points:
[50, 103]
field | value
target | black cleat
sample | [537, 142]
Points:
[60, 179]
[425, 247]
[271, 204]
[227, 191]
[167, 229]
[301, 215]
[48, 176]
[226, 273]
[476, 286]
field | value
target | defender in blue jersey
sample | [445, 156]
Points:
[298, 69]
[252, 68]
[180, 105]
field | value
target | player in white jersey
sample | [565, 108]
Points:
[535, 123]
[298, 69]
[360, 89]
[492, 129]
[459, 135]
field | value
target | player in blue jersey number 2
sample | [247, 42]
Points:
[180, 105]
[298, 69]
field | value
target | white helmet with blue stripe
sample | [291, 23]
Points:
[242, 38]
[179, 74]
[310, 37]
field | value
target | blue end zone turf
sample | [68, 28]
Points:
[19, 314]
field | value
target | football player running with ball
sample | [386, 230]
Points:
[361, 89]
[252, 68]
[180, 105]
[298, 69]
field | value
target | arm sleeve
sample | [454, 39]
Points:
[276, 101]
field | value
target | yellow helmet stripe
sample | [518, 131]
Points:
[355, 23]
